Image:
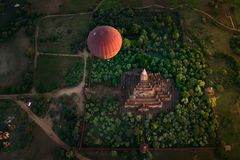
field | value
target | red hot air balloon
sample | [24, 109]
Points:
[104, 42]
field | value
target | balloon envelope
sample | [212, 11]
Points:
[104, 42]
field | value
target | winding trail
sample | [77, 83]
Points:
[198, 11]
[216, 21]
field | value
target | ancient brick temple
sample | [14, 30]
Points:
[151, 92]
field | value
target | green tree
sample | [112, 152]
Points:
[126, 43]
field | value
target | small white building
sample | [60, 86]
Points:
[29, 104]
[228, 147]
[17, 5]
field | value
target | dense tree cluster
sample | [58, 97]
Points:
[67, 125]
[153, 34]
[13, 18]
[185, 126]
[62, 154]
[74, 75]
[40, 105]
[156, 44]
[2, 6]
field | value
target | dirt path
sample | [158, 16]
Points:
[200, 12]
[35, 58]
[36, 47]
[98, 6]
[62, 55]
[65, 15]
[216, 21]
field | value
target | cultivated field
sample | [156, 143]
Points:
[53, 72]
[63, 35]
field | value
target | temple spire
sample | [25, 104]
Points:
[144, 75]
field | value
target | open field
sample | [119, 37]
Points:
[52, 72]
[223, 71]
[228, 104]
[13, 62]
[73, 6]
[40, 148]
[228, 110]
[46, 6]
[63, 6]
[63, 35]
[212, 37]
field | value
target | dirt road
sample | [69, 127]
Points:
[45, 127]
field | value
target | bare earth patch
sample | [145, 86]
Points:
[41, 148]
[46, 6]
[13, 61]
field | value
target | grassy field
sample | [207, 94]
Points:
[52, 71]
[212, 37]
[228, 109]
[40, 148]
[73, 6]
[63, 35]
[228, 104]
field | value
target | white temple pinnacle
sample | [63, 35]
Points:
[144, 75]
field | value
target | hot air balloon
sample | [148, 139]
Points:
[104, 42]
